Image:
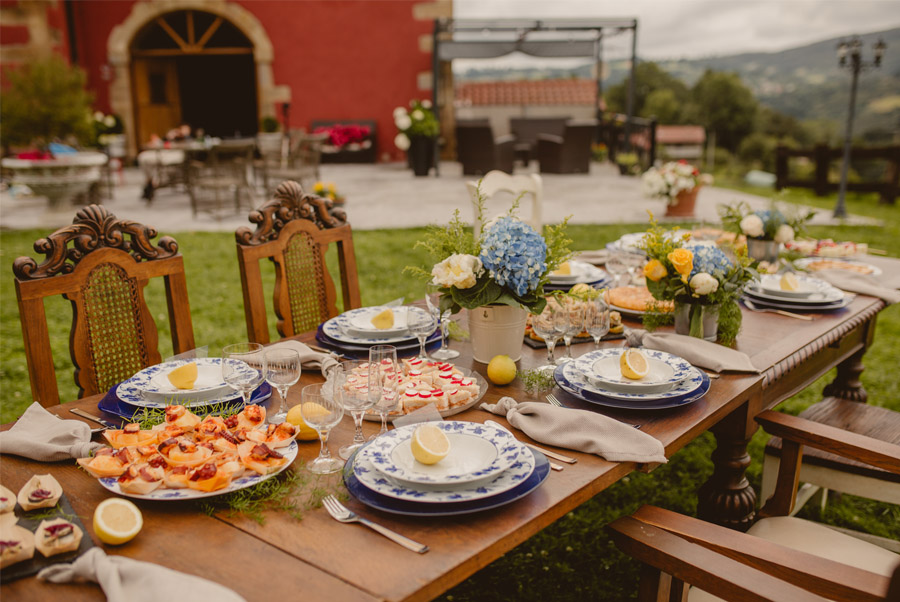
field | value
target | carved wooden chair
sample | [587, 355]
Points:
[498, 183]
[293, 230]
[780, 557]
[103, 274]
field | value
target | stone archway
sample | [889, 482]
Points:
[118, 48]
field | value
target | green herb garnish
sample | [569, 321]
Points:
[537, 380]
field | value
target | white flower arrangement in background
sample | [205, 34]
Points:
[672, 178]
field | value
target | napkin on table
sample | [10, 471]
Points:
[697, 351]
[308, 357]
[41, 436]
[859, 283]
[126, 580]
[580, 430]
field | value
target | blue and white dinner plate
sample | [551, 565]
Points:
[154, 383]
[581, 381]
[131, 391]
[602, 283]
[249, 479]
[601, 367]
[765, 303]
[583, 390]
[817, 292]
[340, 328]
[580, 272]
[111, 404]
[385, 503]
[477, 452]
[517, 473]
[359, 323]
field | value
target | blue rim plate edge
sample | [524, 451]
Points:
[686, 399]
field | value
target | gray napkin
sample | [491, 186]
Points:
[859, 283]
[41, 436]
[697, 351]
[308, 357]
[580, 430]
[126, 580]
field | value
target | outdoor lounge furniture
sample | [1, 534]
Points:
[497, 183]
[478, 150]
[780, 557]
[569, 153]
[527, 129]
[103, 275]
[294, 231]
[219, 182]
[301, 164]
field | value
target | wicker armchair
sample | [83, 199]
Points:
[478, 150]
[569, 153]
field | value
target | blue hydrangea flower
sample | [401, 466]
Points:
[771, 219]
[514, 255]
[709, 259]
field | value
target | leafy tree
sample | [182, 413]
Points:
[724, 105]
[648, 78]
[664, 105]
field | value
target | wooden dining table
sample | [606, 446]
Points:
[317, 557]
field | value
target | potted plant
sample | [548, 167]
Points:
[766, 229]
[629, 163]
[678, 182]
[109, 133]
[418, 129]
[328, 190]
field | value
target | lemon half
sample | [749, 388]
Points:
[295, 417]
[429, 444]
[789, 282]
[384, 320]
[184, 377]
[117, 521]
[633, 364]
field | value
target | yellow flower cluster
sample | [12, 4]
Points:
[683, 262]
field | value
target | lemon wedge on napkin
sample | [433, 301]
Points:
[384, 320]
[429, 444]
[633, 364]
[184, 377]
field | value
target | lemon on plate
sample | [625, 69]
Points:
[564, 269]
[429, 444]
[384, 319]
[789, 282]
[117, 521]
[184, 377]
[501, 370]
[633, 364]
[295, 417]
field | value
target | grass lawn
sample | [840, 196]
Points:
[570, 560]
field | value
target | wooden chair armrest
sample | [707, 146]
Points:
[834, 580]
[828, 438]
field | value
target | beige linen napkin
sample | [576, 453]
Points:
[859, 283]
[308, 357]
[581, 430]
[41, 436]
[697, 351]
[126, 580]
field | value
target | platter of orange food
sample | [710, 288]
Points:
[635, 301]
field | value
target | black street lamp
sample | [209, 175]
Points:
[850, 56]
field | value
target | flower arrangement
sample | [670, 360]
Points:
[763, 224]
[327, 190]
[106, 126]
[698, 274]
[508, 264]
[418, 121]
[672, 178]
[341, 135]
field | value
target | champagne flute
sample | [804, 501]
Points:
[384, 376]
[549, 325]
[574, 326]
[282, 372]
[596, 319]
[321, 409]
[243, 368]
[433, 299]
[353, 390]
[422, 324]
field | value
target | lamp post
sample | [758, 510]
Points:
[850, 56]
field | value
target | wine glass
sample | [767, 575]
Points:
[354, 392]
[321, 409]
[617, 266]
[433, 299]
[634, 263]
[574, 326]
[243, 368]
[384, 376]
[282, 372]
[549, 325]
[422, 324]
[596, 319]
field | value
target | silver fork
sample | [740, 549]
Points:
[752, 307]
[343, 514]
[556, 402]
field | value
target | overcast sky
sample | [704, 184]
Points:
[694, 28]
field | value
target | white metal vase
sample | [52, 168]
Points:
[696, 320]
[763, 250]
[497, 330]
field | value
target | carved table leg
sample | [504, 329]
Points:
[727, 498]
[846, 384]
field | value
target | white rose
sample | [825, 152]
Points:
[402, 122]
[784, 233]
[752, 225]
[399, 111]
[401, 141]
[426, 104]
[417, 115]
[457, 270]
[109, 121]
[704, 284]
[98, 116]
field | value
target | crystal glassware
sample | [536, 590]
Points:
[574, 326]
[433, 298]
[596, 319]
[243, 368]
[617, 265]
[421, 323]
[353, 388]
[282, 372]
[321, 409]
[550, 325]
[385, 373]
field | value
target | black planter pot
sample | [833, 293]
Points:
[421, 154]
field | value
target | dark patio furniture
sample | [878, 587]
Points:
[478, 150]
[569, 153]
[527, 129]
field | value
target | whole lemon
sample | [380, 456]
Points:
[501, 370]
[304, 432]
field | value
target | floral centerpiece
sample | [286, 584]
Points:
[765, 229]
[351, 135]
[417, 129]
[106, 127]
[328, 190]
[677, 182]
[703, 280]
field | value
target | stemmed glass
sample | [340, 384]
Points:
[433, 298]
[422, 324]
[550, 325]
[617, 266]
[633, 262]
[322, 410]
[353, 390]
[283, 372]
[385, 378]
[243, 368]
[596, 319]
[574, 326]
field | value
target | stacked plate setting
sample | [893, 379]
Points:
[812, 294]
[596, 377]
[581, 272]
[486, 468]
[353, 333]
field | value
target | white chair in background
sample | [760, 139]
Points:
[495, 182]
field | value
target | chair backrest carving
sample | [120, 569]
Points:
[293, 230]
[101, 264]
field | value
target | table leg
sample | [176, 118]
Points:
[727, 498]
[846, 384]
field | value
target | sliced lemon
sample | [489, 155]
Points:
[117, 521]
[384, 320]
[789, 282]
[564, 269]
[429, 444]
[295, 417]
[633, 364]
[184, 377]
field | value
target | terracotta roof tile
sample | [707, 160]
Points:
[680, 134]
[539, 92]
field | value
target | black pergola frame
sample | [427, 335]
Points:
[555, 36]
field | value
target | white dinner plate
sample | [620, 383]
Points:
[209, 381]
[827, 296]
[581, 272]
[135, 390]
[807, 286]
[360, 323]
[340, 329]
[602, 368]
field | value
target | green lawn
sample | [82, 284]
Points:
[570, 560]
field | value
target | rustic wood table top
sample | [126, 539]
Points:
[319, 558]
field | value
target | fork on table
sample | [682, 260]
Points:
[556, 402]
[342, 514]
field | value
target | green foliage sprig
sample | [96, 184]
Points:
[537, 380]
[147, 418]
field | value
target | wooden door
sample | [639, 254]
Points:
[158, 97]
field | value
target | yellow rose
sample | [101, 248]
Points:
[683, 262]
[655, 270]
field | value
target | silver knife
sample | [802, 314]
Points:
[546, 452]
[91, 417]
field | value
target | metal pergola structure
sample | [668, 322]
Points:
[545, 38]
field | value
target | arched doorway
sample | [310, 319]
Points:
[193, 67]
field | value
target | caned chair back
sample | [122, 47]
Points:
[530, 187]
[293, 230]
[103, 274]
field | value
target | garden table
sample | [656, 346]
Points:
[318, 557]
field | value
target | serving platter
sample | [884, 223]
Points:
[814, 264]
[372, 416]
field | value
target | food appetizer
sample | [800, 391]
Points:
[7, 500]
[57, 536]
[16, 543]
[41, 491]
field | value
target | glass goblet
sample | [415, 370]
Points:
[422, 324]
[352, 387]
[549, 325]
[243, 368]
[574, 326]
[617, 266]
[596, 319]
[433, 298]
[282, 372]
[385, 378]
[322, 411]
